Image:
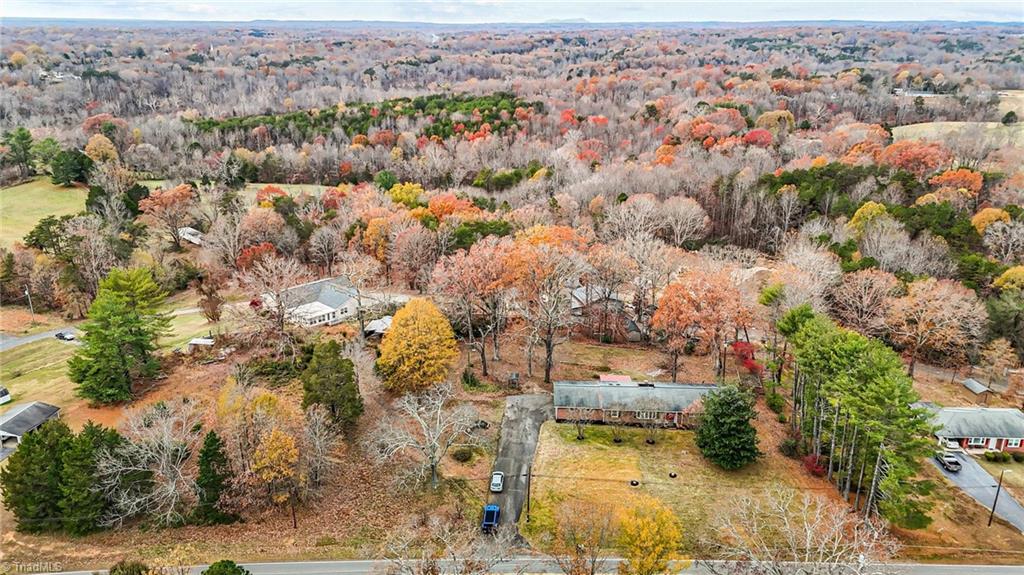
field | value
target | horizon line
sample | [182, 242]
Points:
[566, 21]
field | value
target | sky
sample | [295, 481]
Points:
[518, 11]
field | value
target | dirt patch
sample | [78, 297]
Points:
[20, 321]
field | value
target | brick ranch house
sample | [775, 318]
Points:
[622, 401]
[981, 428]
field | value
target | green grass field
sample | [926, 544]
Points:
[22, 206]
[37, 371]
[938, 130]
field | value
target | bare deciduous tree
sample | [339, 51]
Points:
[789, 534]
[147, 473]
[423, 427]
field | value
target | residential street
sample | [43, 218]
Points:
[534, 565]
[520, 429]
[979, 484]
[8, 341]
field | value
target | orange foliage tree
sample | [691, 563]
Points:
[699, 305]
[171, 208]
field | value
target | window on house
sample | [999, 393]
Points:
[612, 413]
[646, 414]
[1013, 442]
[976, 441]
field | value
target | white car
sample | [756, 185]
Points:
[497, 482]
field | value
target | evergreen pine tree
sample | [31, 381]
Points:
[31, 480]
[330, 380]
[214, 472]
[81, 506]
[726, 436]
[120, 337]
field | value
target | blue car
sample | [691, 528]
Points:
[491, 515]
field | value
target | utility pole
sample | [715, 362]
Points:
[529, 478]
[31, 309]
[999, 488]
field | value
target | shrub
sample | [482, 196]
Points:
[990, 455]
[462, 454]
[815, 465]
[225, 567]
[782, 418]
[470, 380]
[126, 567]
[790, 447]
[775, 402]
[1005, 457]
[1018, 457]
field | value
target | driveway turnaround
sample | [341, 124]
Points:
[520, 429]
[979, 484]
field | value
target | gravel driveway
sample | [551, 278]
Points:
[979, 484]
[520, 429]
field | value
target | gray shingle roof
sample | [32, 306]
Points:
[332, 292]
[979, 422]
[628, 395]
[22, 419]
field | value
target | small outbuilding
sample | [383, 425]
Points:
[378, 327]
[191, 235]
[979, 389]
[25, 418]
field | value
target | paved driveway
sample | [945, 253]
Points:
[520, 429]
[979, 484]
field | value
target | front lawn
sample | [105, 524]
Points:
[599, 471]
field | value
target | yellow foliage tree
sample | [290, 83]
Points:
[649, 539]
[776, 121]
[406, 193]
[18, 59]
[1012, 278]
[100, 148]
[418, 350]
[276, 463]
[987, 217]
[863, 215]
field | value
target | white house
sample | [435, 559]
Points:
[323, 302]
[191, 235]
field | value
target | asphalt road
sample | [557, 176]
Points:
[979, 484]
[8, 341]
[533, 565]
[520, 429]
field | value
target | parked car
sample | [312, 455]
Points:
[65, 336]
[948, 461]
[950, 445]
[491, 515]
[497, 482]
[5, 396]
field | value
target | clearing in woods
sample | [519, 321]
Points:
[22, 206]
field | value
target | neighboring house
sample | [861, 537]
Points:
[586, 296]
[23, 419]
[981, 428]
[191, 235]
[623, 401]
[322, 302]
